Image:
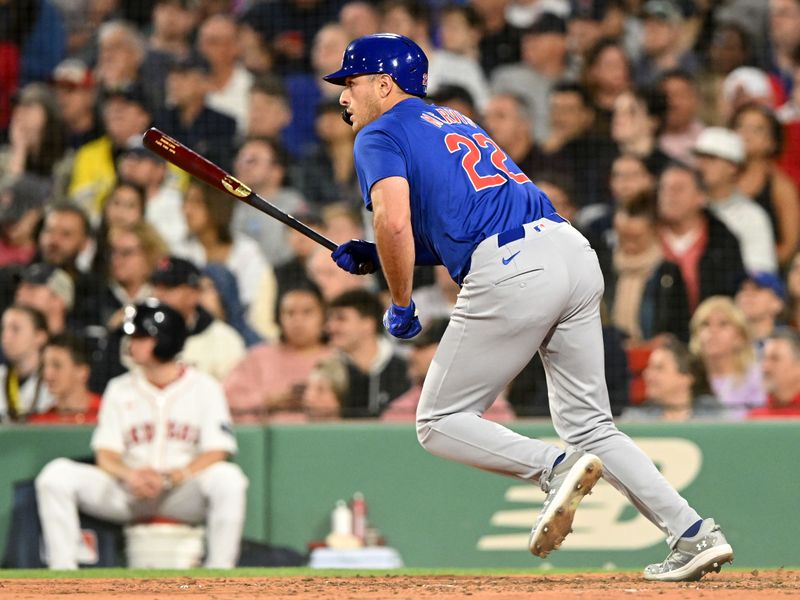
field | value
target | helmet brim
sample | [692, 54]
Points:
[337, 77]
[340, 76]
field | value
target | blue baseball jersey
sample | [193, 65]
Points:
[463, 187]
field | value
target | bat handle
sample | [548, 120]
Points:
[366, 268]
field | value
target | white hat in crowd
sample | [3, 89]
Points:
[721, 143]
[749, 82]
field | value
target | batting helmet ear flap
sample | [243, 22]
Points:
[155, 319]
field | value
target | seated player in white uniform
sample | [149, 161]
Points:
[161, 445]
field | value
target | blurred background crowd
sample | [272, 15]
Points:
[668, 131]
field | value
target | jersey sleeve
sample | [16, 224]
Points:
[377, 156]
[216, 431]
[109, 434]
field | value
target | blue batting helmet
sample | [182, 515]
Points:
[389, 53]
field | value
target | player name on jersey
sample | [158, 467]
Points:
[447, 116]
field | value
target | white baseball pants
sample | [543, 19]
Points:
[540, 292]
[215, 496]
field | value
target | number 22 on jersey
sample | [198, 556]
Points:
[455, 141]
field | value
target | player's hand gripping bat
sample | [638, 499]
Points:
[198, 166]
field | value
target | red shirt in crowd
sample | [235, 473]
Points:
[54, 417]
[688, 262]
[774, 409]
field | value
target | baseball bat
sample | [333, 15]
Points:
[198, 166]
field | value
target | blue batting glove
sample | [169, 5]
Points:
[357, 257]
[402, 321]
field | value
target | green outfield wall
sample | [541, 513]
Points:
[441, 514]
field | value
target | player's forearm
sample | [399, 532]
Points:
[396, 252]
[111, 462]
[394, 237]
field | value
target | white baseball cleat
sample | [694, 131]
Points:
[569, 482]
[693, 557]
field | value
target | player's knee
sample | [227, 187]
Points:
[227, 478]
[424, 434]
[54, 477]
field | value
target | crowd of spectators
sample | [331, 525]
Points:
[667, 131]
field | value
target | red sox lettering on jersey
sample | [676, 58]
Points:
[142, 433]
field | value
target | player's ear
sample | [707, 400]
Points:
[385, 85]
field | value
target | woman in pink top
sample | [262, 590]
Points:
[270, 378]
[721, 338]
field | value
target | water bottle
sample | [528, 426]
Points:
[341, 519]
[359, 508]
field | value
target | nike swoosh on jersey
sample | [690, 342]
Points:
[510, 258]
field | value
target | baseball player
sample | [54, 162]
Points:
[442, 192]
[160, 446]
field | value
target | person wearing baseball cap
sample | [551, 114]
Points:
[664, 10]
[50, 290]
[76, 95]
[720, 155]
[662, 50]
[762, 298]
[586, 23]
[213, 346]
[189, 118]
[133, 94]
[745, 85]
[172, 272]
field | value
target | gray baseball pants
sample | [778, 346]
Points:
[540, 292]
